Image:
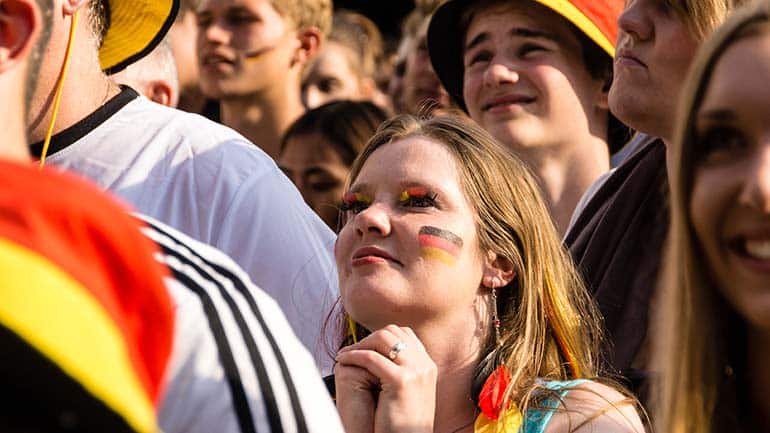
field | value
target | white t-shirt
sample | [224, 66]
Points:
[236, 366]
[211, 183]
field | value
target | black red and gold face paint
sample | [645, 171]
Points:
[439, 244]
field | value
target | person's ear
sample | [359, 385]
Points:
[69, 7]
[602, 93]
[20, 26]
[161, 92]
[498, 271]
[310, 40]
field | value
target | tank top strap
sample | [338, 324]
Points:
[535, 420]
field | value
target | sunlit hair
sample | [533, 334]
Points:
[549, 325]
[306, 13]
[694, 321]
[703, 16]
[363, 40]
[98, 19]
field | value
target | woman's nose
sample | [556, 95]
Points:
[755, 191]
[374, 220]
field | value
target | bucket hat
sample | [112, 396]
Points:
[135, 28]
[597, 19]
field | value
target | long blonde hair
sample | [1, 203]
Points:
[694, 321]
[550, 327]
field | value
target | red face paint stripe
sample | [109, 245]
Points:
[431, 241]
[438, 238]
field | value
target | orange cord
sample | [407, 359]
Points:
[59, 87]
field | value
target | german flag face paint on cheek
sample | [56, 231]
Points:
[438, 244]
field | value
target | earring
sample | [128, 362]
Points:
[495, 317]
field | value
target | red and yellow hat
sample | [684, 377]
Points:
[135, 28]
[597, 19]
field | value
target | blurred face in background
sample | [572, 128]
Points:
[730, 201]
[182, 37]
[420, 84]
[318, 171]
[333, 76]
[244, 47]
[654, 51]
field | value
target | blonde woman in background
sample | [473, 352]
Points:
[713, 339]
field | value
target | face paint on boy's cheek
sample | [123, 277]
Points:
[253, 56]
[439, 244]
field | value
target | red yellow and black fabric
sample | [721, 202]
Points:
[597, 19]
[86, 323]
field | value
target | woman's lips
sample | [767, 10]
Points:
[753, 252]
[371, 255]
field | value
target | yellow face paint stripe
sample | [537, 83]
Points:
[62, 320]
[438, 254]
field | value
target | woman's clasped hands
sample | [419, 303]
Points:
[386, 383]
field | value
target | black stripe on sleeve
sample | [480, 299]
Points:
[271, 405]
[238, 394]
[243, 289]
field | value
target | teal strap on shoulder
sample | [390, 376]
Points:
[535, 420]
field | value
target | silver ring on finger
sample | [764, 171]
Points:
[397, 348]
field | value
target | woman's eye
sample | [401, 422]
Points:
[354, 202]
[419, 201]
[354, 207]
[717, 143]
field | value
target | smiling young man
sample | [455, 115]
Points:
[535, 74]
[252, 54]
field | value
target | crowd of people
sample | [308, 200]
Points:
[534, 216]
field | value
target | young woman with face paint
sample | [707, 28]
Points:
[463, 313]
[713, 338]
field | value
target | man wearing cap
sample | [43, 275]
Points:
[192, 174]
[535, 74]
